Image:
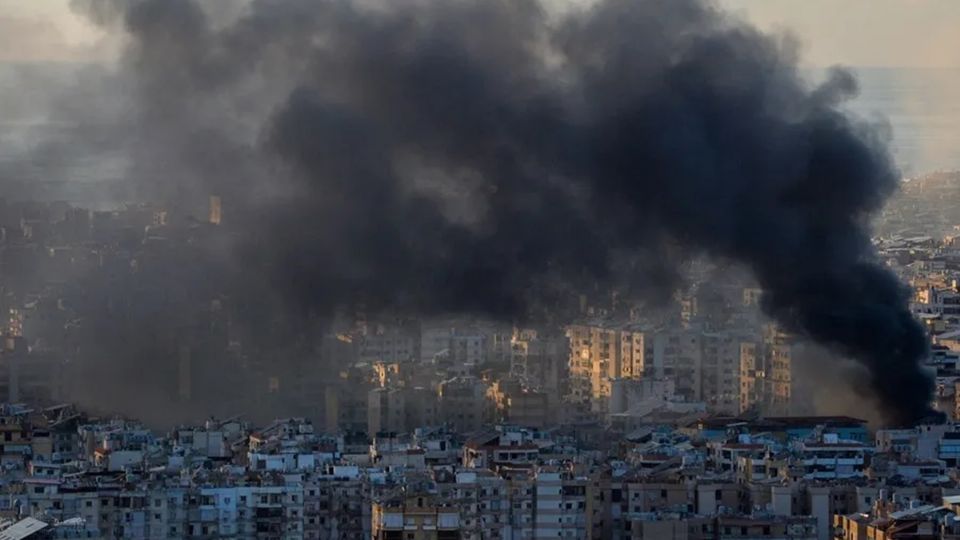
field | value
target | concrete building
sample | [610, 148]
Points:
[346, 406]
[388, 345]
[679, 526]
[519, 405]
[721, 370]
[401, 409]
[464, 404]
[599, 354]
[484, 502]
[540, 362]
[414, 518]
[386, 411]
[561, 504]
[769, 380]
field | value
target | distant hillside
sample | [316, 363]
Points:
[927, 205]
[935, 183]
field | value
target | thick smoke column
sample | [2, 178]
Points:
[449, 156]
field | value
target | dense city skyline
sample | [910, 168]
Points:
[471, 269]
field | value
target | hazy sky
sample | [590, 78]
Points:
[38, 30]
[917, 33]
[900, 33]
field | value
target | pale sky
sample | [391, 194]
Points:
[46, 30]
[902, 33]
[883, 33]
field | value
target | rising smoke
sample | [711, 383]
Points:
[453, 156]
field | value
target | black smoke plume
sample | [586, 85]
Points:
[454, 156]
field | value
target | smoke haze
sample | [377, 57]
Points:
[486, 156]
